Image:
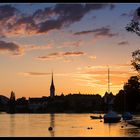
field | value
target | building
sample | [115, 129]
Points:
[37, 104]
[108, 98]
[52, 88]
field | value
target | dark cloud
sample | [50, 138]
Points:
[84, 32]
[28, 21]
[103, 31]
[124, 14]
[7, 11]
[41, 13]
[132, 14]
[123, 43]
[129, 14]
[94, 17]
[44, 20]
[49, 25]
[112, 6]
[7, 14]
[66, 14]
[59, 55]
[50, 56]
[11, 47]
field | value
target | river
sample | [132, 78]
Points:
[64, 125]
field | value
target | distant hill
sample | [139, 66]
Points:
[3, 100]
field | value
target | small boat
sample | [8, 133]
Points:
[127, 116]
[96, 117]
[111, 117]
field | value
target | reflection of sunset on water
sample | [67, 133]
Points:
[64, 125]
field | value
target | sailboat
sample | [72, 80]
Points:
[127, 116]
[111, 116]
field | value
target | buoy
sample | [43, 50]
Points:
[89, 128]
[50, 128]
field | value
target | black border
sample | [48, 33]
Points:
[67, 1]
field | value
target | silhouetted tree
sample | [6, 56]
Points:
[128, 99]
[133, 26]
[132, 93]
[136, 60]
[11, 103]
[119, 101]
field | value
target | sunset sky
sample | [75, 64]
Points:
[75, 41]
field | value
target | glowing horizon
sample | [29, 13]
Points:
[77, 41]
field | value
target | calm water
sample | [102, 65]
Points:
[65, 125]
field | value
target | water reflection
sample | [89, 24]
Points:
[69, 125]
[130, 130]
[52, 124]
[12, 124]
[111, 129]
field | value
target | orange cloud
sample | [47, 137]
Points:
[38, 74]
[33, 74]
[37, 47]
[60, 55]
[92, 57]
[97, 76]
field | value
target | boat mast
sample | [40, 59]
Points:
[108, 80]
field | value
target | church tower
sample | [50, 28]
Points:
[52, 88]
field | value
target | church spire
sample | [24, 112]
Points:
[52, 88]
[52, 80]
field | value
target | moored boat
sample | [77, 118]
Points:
[127, 116]
[111, 117]
[96, 117]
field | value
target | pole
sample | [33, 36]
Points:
[108, 81]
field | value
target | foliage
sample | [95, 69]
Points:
[11, 103]
[133, 26]
[132, 90]
[128, 98]
[12, 97]
[119, 103]
[136, 60]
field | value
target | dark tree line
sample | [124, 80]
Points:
[12, 103]
[128, 99]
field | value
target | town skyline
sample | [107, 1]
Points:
[76, 41]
